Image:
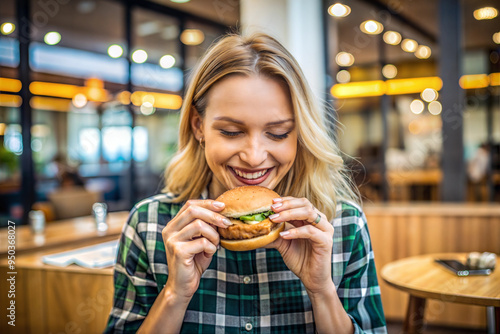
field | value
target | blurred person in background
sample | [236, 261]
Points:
[249, 117]
[477, 170]
[479, 164]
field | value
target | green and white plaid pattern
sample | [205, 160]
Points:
[242, 292]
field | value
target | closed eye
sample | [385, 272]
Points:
[230, 133]
[279, 137]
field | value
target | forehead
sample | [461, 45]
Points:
[250, 97]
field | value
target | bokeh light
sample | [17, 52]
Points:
[115, 51]
[7, 28]
[429, 95]
[389, 71]
[409, 45]
[417, 106]
[343, 76]
[339, 10]
[371, 27]
[52, 38]
[139, 56]
[344, 59]
[167, 61]
[392, 37]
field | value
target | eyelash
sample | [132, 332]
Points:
[279, 137]
[236, 133]
[230, 133]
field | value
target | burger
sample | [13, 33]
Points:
[248, 208]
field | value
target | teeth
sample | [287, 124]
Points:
[250, 176]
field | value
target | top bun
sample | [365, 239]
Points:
[246, 200]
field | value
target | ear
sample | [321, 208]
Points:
[196, 124]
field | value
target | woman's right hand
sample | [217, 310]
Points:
[191, 239]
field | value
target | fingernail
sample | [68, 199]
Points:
[218, 247]
[276, 200]
[284, 233]
[227, 222]
[218, 204]
[272, 217]
[277, 205]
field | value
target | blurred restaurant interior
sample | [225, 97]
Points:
[90, 92]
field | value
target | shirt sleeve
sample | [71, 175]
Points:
[135, 286]
[359, 290]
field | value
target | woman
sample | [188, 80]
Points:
[249, 118]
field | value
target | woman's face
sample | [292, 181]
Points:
[249, 132]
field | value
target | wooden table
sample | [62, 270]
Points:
[63, 232]
[51, 299]
[424, 279]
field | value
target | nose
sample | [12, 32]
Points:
[254, 153]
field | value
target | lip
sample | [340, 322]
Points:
[253, 181]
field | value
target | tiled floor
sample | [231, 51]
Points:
[397, 328]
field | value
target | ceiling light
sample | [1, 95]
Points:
[429, 95]
[52, 38]
[417, 106]
[339, 10]
[389, 71]
[409, 45]
[79, 100]
[485, 13]
[147, 108]
[343, 76]
[371, 27]
[139, 56]
[167, 61]
[392, 37]
[496, 37]
[344, 59]
[192, 37]
[115, 51]
[423, 52]
[180, 1]
[435, 107]
[7, 28]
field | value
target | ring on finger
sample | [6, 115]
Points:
[317, 220]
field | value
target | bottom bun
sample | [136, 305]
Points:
[253, 243]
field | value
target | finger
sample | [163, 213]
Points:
[297, 217]
[291, 203]
[308, 232]
[193, 212]
[198, 228]
[204, 203]
[197, 246]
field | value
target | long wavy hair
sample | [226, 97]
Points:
[318, 172]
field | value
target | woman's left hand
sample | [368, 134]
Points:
[306, 247]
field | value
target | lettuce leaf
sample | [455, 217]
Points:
[257, 217]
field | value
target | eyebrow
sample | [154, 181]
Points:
[229, 119]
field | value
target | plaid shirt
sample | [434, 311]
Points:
[242, 292]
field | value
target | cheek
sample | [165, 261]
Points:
[286, 153]
[217, 154]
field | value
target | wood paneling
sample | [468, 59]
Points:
[400, 230]
[53, 299]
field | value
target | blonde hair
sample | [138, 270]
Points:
[318, 172]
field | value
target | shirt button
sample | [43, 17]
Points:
[248, 326]
[247, 280]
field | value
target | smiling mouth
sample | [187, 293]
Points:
[251, 177]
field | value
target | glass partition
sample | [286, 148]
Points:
[10, 116]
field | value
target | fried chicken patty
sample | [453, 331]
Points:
[240, 230]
